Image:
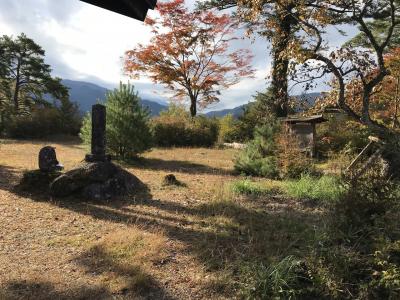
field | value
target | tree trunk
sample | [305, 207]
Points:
[2, 121]
[16, 90]
[280, 64]
[193, 106]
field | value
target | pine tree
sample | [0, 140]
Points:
[127, 126]
[24, 76]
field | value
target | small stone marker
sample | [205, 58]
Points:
[48, 160]
[98, 147]
[170, 179]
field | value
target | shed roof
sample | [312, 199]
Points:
[136, 9]
[309, 119]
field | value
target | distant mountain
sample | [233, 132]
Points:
[306, 100]
[236, 112]
[86, 94]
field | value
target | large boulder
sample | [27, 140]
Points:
[95, 181]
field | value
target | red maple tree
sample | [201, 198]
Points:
[189, 54]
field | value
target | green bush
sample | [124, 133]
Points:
[40, 123]
[325, 188]
[175, 127]
[127, 128]
[250, 164]
[86, 130]
[365, 201]
[258, 158]
[168, 134]
[44, 121]
[202, 131]
[341, 135]
[228, 132]
[391, 153]
[357, 254]
[258, 113]
[298, 167]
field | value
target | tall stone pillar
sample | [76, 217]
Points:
[98, 147]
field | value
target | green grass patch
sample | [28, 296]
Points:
[247, 187]
[325, 188]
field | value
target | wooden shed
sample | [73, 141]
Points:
[304, 130]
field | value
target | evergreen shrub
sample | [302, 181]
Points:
[258, 158]
[128, 130]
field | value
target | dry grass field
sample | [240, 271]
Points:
[188, 242]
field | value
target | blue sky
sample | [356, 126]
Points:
[84, 42]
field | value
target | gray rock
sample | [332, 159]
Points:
[37, 180]
[95, 181]
[65, 185]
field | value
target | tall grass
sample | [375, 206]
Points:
[325, 188]
[281, 280]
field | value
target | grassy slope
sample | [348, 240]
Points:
[174, 242]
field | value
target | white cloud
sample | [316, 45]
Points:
[84, 42]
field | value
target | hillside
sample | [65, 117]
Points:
[306, 99]
[86, 94]
[236, 112]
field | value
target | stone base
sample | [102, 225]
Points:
[37, 180]
[100, 180]
[100, 158]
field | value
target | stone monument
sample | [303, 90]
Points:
[97, 178]
[98, 143]
[48, 160]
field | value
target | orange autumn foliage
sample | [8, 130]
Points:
[189, 54]
[385, 100]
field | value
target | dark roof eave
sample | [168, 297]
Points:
[136, 9]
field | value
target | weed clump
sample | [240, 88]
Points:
[285, 279]
[325, 188]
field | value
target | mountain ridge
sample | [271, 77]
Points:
[87, 93]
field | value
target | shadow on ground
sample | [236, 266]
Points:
[42, 290]
[156, 164]
[222, 235]
[9, 177]
[135, 281]
[45, 290]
